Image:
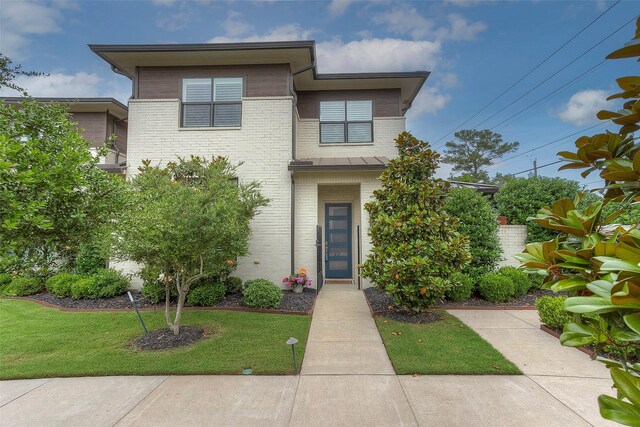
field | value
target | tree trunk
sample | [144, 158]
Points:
[167, 302]
[176, 322]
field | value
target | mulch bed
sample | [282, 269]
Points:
[383, 304]
[527, 300]
[291, 302]
[164, 339]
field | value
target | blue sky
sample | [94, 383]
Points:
[474, 49]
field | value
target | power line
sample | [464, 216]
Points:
[530, 72]
[549, 95]
[547, 144]
[554, 74]
[537, 167]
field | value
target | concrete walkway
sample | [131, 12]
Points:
[346, 380]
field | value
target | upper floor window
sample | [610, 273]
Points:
[212, 102]
[346, 121]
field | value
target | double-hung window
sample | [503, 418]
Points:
[212, 102]
[346, 121]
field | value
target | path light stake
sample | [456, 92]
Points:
[137, 312]
[292, 342]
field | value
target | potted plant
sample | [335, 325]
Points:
[297, 281]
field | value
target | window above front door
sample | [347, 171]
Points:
[346, 122]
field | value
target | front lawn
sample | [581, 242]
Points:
[443, 347]
[38, 341]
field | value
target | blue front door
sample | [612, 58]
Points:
[337, 225]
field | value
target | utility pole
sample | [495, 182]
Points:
[535, 168]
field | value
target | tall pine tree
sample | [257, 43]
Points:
[415, 242]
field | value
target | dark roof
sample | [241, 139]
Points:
[340, 163]
[113, 167]
[69, 100]
[79, 105]
[483, 188]
[124, 59]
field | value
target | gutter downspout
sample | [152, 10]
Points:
[117, 71]
[293, 184]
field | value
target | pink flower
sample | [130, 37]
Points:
[285, 279]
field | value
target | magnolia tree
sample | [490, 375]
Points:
[53, 196]
[187, 220]
[415, 242]
[596, 260]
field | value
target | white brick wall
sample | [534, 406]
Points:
[513, 239]
[385, 131]
[263, 143]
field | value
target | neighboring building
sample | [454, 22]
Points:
[98, 119]
[316, 142]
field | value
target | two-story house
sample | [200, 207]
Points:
[100, 121]
[316, 142]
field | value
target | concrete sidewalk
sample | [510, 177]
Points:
[559, 388]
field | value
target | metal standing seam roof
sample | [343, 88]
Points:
[376, 163]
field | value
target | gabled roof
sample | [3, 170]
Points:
[300, 55]
[81, 105]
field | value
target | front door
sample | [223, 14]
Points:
[337, 255]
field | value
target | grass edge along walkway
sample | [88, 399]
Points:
[446, 347]
[40, 342]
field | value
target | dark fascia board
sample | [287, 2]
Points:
[308, 168]
[65, 100]
[101, 49]
[360, 76]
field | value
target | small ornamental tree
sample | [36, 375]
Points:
[478, 221]
[53, 196]
[416, 245]
[595, 260]
[188, 220]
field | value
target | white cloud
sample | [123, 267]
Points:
[377, 55]
[21, 19]
[449, 80]
[80, 84]
[429, 100]
[461, 29]
[339, 7]
[281, 33]
[467, 3]
[164, 2]
[407, 20]
[583, 106]
[233, 26]
[177, 21]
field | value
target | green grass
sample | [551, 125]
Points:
[37, 341]
[445, 347]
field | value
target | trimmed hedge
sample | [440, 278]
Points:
[552, 312]
[105, 283]
[206, 295]
[520, 280]
[261, 293]
[496, 288]
[23, 286]
[461, 287]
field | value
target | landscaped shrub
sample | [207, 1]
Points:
[535, 280]
[478, 222]
[521, 198]
[415, 240]
[23, 286]
[496, 288]
[206, 295]
[108, 283]
[89, 260]
[84, 287]
[152, 287]
[461, 287]
[5, 281]
[552, 312]
[61, 284]
[234, 285]
[519, 278]
[261, 293]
